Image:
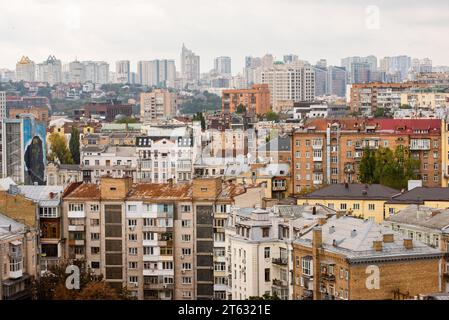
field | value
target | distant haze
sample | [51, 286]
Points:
[135, 30]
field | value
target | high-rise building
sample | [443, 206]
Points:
[422, 65]
[294, 82]
[158, 104]
[222, 66]
[396, 65]
[362, 65]
[25, 70]
[76, 72]
[122, 71]
[2, 105]
[290, 58]
[190, 66]
[158, 73]
[321, 80]
[49, 71]
[336, 83]
[96, 71]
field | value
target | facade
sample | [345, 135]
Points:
[106, 111]
[25, 70]
[366, 98]
[18, 259]
[256, 100]
[336, 81]
[158, 73]
[360, 200]
[294, 82]
[23, 156]
[122, 72]
[155, 239]
[425, 100]
[222, 66]
[168, 152]
[396, 65]
[113, 161]
[49, 71]
[354, 259]
[157, 105]
[63, 174]
[259, 254]
[96, 72]
[2, 105]
[329, 151]
[435, 197]
[40, 113]
[359, 68]
[190, 66]
[427, 225]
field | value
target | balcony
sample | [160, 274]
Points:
[317, 182]
[280, 261]
[317, 158]
[157, 229]
[317, 146]
[78, 242]
[280, 283]
[16, 274]
[158, 286]
[76, 227]
[76, 214]
[328, 277]
[317, 169]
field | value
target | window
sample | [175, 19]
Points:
[334, 170]
[346, 274]
[132, 237]
[186, 280]
[343, 206]
[148, 236]
[94, 222]
[132, 207]
[391, 210]
[265, 232]
[341, 273]
[148, 251]
[132, 265]
[185, 208]
[132, 222]
[95, 236]
[186, 223]
[95, 265]
[187, 294]
[133, 279]
[267, 252]
[95, 250]
[167, 265]
[356, 206]
[185, 237]
[297, 154]
[348, 154]
[297, 143]
[132, 251]
[371, 206]
[186, 251]
[306, 267]
[186, 266]
[76, 207]
[330, 205]
[267, 274]
[219, 266]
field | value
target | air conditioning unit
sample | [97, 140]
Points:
[182, 256]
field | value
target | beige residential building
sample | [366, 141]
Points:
[156, 105]
[425, 99]
[155, 239]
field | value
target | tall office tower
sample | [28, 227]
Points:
[222, 66]
[336, 83]
[290, 58]
[289, 83]
[25, 70]
[360, 72]
[76, 72]
[362, 64]
[321, 80]
[397, 65]
[2, 105]
[322, 63]
[190, 66]
[251, 65]
[156, 105]
[159, 73]
[49, 71]
[122, 71]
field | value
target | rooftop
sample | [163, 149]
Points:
[420, 194]
[431, 218]
[5, 222]
[353, 191]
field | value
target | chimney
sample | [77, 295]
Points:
[314, 210]
[317, 237]
[51, 195]
[408, 243]
[377, 245]
[317, 241]
[331, 229]
[321, 221]
[388, 238]
[353, 233]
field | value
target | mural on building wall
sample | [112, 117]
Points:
[34, 137]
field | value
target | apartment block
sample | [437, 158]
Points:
[155, 239]
[156, 105]
[256, 100]
[329, 151]
[366, 98]
[356, 259]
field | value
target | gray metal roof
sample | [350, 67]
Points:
[41, 194]
[421, 194]
[353, 191]
[6, 221]
[431, 218]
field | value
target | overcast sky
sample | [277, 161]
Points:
[148, 29]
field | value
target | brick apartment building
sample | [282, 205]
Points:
[329, 151]
[354, 259]
[256, 100]
[156, 239]
[107, 111]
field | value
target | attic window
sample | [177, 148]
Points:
[113, 188]
[203, 189]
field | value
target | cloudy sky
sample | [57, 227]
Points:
[148, 29]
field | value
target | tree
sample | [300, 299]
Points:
[59, 151]
[272, 116]
[126, 120]
[380, 113]
[265, 296]
[200, 117]
[367, 166]
[74, 145]
[241, 109]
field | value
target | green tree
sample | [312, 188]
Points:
[241, 109]
[265, 296]
[272, 116]
[59, 151]
[74, 145]
[126, 120]
[200, 117]
[367, 166]
[380, 113]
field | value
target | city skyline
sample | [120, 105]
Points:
[339, 30]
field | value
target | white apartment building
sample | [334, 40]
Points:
[159, 73]
[25, 70]
[168, 152]
[259, 248]
[122, 72]
[114, 161]
[190, 66]
[295, 82]
[49, 71]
